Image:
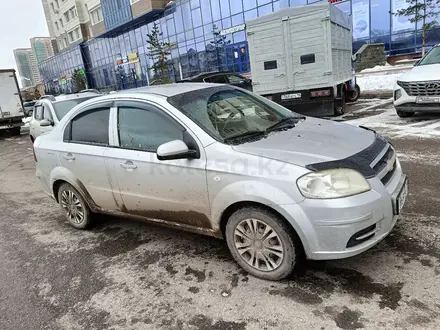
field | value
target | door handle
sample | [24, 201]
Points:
[128, 165]
[69, 157]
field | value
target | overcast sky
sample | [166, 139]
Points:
[20, 20]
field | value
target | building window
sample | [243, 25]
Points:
[96, 15]
[53, 7]
[61, 22]
[71, 37]
[56, 26]
[57, 3]
[77, 34]
[66, 16]
[73, 12]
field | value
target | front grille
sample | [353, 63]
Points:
[421, 88]
[383, 163]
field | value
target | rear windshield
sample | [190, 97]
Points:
[63, 107]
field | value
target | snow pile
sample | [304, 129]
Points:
[26, 121]
[377, 82]
[387, 122]
[383, 68]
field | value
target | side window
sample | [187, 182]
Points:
[91, 127]
[46, 113]
[220, 79]
[146, 128]
[233, 79]
[38, 113]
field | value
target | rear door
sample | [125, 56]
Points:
[10, 99]
[267, 50]
[84, 155]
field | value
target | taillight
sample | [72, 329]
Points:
[321, 93]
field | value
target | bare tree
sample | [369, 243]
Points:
[420, 11]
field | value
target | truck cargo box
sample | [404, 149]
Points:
[300, 48]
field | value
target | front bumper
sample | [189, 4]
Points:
[328, 228]
[406, 103]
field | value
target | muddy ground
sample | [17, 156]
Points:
[129, 275]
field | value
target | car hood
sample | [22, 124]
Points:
[422, 73]
[311, 141]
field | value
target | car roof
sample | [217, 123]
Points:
[168, 89]
[204, 75]
[74, 96]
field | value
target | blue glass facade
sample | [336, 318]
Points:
[116, 13]
[119, 59]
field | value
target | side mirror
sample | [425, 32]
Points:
[46, 122]
[176, 149]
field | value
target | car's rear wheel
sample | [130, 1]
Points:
[262, 243]
[74, 207]
[405, 114]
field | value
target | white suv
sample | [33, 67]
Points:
[419, 89]
[48, 111]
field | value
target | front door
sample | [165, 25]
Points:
[171, 190]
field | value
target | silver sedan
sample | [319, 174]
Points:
[221, 161]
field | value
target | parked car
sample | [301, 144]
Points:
[419, 89]
[224, 162]
[28, 108]
[216, 77]
[50, 110]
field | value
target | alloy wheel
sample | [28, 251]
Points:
[72, 206]
[259, 245]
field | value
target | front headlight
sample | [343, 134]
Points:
[334, 183]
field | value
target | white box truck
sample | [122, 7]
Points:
[11, 104]
[301, 58]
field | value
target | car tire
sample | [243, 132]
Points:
[16, 131]
[405, 114]
[74, 207]
[353, 96]
[271, 251]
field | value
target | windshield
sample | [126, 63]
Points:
[63, 107]
[433, 57]
[224, 112]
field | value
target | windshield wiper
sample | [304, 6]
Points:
[288, 122]
[247, 134]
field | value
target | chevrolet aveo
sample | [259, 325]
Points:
[221, 161]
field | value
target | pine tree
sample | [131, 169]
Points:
[219, 43]
[419, 11]
[158, 51]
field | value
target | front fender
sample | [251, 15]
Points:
[248, 191]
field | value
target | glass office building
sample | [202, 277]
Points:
[208, 35]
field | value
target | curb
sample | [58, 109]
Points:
[382, 94]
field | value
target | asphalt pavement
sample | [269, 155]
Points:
[124, 274]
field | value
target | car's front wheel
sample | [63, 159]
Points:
[74, 207]
[405, 114]
[262, 243]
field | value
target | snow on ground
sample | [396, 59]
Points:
[385, 121]
[377, 82]
[386, 67]
[26, 121]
